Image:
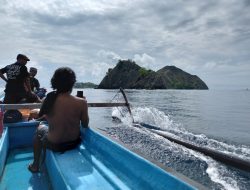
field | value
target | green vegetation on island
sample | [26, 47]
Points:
[85, 85]
[127, 74]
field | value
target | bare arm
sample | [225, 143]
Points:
[85, 115]
[27, 84]
[2, 76]
[43, 117]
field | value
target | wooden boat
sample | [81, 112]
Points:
[98, 163]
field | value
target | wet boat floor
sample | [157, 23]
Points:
[87, 171]
[17, 176]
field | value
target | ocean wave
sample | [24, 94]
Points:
[155, 146]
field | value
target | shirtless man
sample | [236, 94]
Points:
[64, 114]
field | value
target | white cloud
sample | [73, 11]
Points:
[108, 55]
[197, 36]
[100, 69]
[66, 8]
[210, 65]
[144, 60]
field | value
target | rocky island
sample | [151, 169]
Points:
[127, 74]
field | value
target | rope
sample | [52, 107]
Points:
[118, 96]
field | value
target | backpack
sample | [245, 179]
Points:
[12, 116]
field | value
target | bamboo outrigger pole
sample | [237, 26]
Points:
[38, 105]
[127, 104]
[94, 104]
[231, 160]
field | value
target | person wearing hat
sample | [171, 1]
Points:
[17, 81]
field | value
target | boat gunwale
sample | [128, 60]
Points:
[125, 147]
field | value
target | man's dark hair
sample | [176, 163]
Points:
[63, 79]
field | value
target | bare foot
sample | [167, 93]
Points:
[33, 169]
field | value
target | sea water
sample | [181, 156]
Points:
[217, 119]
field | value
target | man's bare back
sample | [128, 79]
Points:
[64, 121]
[64, 114]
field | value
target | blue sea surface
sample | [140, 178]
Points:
[217, 119]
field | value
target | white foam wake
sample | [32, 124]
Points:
[216, 172]
[158, 118]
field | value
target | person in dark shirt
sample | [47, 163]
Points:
[17, 86]
[34, 83]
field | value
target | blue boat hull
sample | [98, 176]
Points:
[98, 163]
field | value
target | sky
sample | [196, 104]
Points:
[210, 39]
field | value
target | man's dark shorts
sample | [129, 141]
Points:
[14, 98]
[42, 135]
